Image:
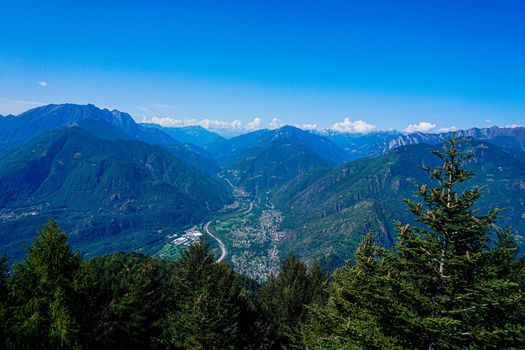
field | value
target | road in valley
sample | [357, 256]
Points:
[221, 244]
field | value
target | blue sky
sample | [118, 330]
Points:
[242, 64]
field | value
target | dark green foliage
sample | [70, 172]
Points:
[357, 314]
[284, 301]
[135, 293]
[457, 286]
[48, 295]
[124, 301]
[4, 301]
[444, 286]
[210, 306]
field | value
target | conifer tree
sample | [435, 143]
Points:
[4, 300]
[209, 309]
[445, 285]
[47, 294]
[133, 300]
[358, 311]
[451, 280]
[283, 302]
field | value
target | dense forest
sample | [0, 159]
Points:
[452, 281]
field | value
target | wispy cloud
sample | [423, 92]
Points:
[420, 127]
[42, 83]
[14, 106]
[156, 108]
[160, 105]
[353, 126]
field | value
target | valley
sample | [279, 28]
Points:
[262, 175]
[247, 235]
[117, 185]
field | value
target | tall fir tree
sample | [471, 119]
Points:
[134, 295]
[445, 285]
[5, 318]
[359, 308]
[48, 295]
[283, 302]
[210, 305]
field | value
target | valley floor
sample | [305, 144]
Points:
[246, 234]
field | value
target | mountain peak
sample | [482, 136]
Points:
[290, 128]
[287, 131]
[102, 122]
[69, 112]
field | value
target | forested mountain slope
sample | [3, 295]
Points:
[328, 211]
[110, 195]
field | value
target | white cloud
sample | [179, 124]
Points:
[229, 127]
[156, 108]
[357, 126]
[275, 123]
[255, 124]
[488, 121]
[12, 106]
[512, 126]
[42, 83]
[160, 105]
[448, 129]
[307, 126]
[420, 127]
[212, 124]
[171, 122]
[216, 124]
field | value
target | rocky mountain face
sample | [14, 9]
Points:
[378, 143]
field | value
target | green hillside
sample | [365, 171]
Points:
[110, 195]
[244, 147]
[275, 165]
[328, 211]
[261, 160]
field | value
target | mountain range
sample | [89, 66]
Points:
[112, 183]
[378, 143]
[263, 159]
[115, 184]
[196, 135]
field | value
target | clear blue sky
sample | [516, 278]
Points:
[388, 63]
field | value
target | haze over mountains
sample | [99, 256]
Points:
[114, 184]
